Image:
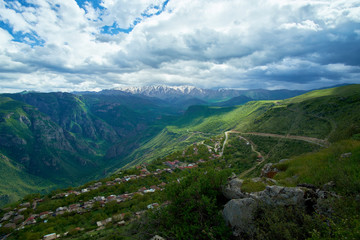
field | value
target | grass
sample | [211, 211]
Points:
[15, 183]
[325, 166]
[249, 186]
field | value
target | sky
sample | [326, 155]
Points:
[79, 45]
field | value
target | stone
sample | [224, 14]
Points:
[233, 189]
[121, 223]
[238, 213]
[346, 155]
[269, 171]
[281, 196]
[157, 237]
[328, 186]
[307, 185]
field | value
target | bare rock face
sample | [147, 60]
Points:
[281, 196]
[233, 189]
[239, 214]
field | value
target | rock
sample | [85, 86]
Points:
[283, 160]
[239, 214]
[233, 189]
[157, 237]
[233, 175]
[281, 196]
[346, 155]
[328, 186]
[121, 223]
[307, 185]
[269, 171]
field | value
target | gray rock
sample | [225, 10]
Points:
[239, 214]
[233, 189]
[281, 196]
[283, 160]
[157, 237]
[328, 186]
[346, 155]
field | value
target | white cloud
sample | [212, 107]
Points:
[211, 43]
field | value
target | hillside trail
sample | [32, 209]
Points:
[252, 149]
[320, 142]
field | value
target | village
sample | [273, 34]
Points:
[15, 218]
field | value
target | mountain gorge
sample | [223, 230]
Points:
[152, 154]
[66, 139]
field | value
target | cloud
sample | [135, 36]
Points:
[55, 45]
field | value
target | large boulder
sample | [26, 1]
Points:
[281, 196]
[239, 214]
[233, 189]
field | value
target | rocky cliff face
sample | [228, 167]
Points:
[240, 211]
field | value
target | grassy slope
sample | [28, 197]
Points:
[15, 183]
[198, 124]
[325, 166]
[326, 114]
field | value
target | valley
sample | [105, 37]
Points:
[187, 169]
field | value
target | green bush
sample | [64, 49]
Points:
[194, 212]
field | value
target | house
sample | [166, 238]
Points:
[119, 217]
[10, 225]
[18, 218]
[142, 189]
[155, 187]
[30, 220]
[172, 164]
[22, 210]
[103, 222]
[85, 190]
[99, 198]
[59, 209]
[50, 236]
[44, 215]
[25, 205]
[111, 198]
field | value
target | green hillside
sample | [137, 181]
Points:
[16, 183]
[70, 139]
[177, 193]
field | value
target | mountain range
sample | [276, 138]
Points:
[269, 169]
[65, 139]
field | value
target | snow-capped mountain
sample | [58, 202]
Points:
[162, 91]
[189, 92]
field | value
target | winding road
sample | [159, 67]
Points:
[320, 142]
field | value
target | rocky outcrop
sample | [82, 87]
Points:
[239, 214]
[240, 210]
[233, 189]
[281, 196]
